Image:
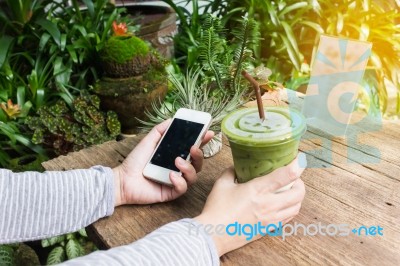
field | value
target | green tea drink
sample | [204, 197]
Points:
[259, 147]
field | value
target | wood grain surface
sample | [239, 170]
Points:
[340, 189]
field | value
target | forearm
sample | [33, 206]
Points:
[39, 205]
[176, 243]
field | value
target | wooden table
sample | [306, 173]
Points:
[338, 191]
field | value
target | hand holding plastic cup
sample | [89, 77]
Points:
[261, 146]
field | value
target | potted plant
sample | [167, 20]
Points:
[214, 84]
[133, 76]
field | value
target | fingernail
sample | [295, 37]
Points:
[181, 161]
[176, 174]
[302, 159]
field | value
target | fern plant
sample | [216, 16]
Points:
[214, 84]
[223, 60]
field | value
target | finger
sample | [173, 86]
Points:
[187, 169]
[207, 137]
[179, 183]
[154, 136]
[288, 212]
[228, 176]
[197, 158]
[281, 176]
[292, 196]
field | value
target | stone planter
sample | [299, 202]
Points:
[133, 67]
[131, 97]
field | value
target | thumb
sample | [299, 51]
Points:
[154, 136]
[228, 176]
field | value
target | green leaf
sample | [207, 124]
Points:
[56, 256]
[74, 249]
[272, 13]
[21, 95]
[63, 41]
[25, 109]
[294, 57]
[291, 8]
[82, 232]
[5, 44]
[43, 40]
[72, 53]
[6, 255]
[340, 23]
[81, 29]
[52, 241]
[3, 116]
[8, 131]
[90, 7]
[52, 29]
[313, 25]
[39, 97]
[364, 32]
[291, 45]
[33, 82]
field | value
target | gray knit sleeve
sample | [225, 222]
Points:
[172, 244]
[40, 205]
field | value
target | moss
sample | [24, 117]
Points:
[121, 49]
[137, 84]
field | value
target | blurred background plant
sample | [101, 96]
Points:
[48, 53]
[290, 31]
[379, 23]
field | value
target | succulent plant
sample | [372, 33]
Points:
[65, 129]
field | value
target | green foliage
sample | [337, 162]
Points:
[290, 31]
[18, 254]
[186, 41]
[63, 129]
[190, 93]
[56, 256]
[373, 21]
[68, 246]
[222, 60]
[15, 144]
[7, 255]
[213, 84]
[52, 241]
[121, 49]
[74, 249]
[48, 52]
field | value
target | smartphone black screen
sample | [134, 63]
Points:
[178, 140]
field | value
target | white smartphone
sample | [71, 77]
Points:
[187, 128]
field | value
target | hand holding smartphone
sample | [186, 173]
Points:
[187, 128]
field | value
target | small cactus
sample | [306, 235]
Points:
[63, 129]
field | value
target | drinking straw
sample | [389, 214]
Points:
[256, 87]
